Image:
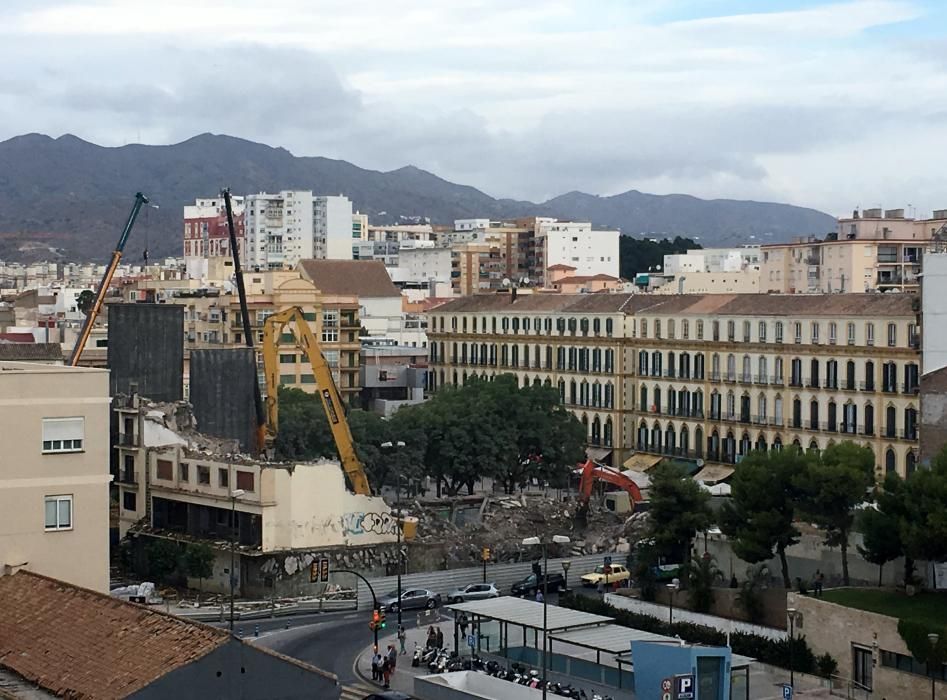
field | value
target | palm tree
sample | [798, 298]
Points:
[702, 573]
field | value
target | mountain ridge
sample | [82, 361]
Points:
[65, 197]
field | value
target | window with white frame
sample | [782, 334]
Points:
[330, 326]
[58, 512]
[63, 434]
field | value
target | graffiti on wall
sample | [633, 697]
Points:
[360, 523]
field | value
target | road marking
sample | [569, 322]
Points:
[357, 691]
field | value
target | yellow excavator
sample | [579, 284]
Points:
[306, 341]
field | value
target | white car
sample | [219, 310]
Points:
[475, 591]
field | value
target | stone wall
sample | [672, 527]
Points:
[838, 630]
[726, 604]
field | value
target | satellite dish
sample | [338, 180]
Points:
[506, 281]
[657, 267]
[526, 281]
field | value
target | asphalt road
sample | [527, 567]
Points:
[332, 642]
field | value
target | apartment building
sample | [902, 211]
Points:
[207, 234]
[284, 228]
[212, 319]
[707, 377]
[577, 244]
[572, 342]
[54, 493]
[874, 250]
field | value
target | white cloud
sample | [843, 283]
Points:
[522, 98]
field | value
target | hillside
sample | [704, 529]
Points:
[67, 197]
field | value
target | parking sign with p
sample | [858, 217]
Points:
[684, 687]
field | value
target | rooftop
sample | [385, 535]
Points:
[529, 613]
[17, 351]
[362, 278]
[79, 643]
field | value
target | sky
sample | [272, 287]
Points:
[832, 105]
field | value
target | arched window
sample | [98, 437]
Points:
[657, 399]
[573, 392]
[761, 409]
[795, 377]
[910, 463]
[607, 436]
[585, 425]
[777, 443]
[699, 442]
[747, 372]
[670, 364]
[584, 393]
[891, 422]
[869, 419]
[644, 399]
[642, 436]
[731, 367]
[813, 445]
[596, 431]
[869, 376]
[699, 366]
[609, 395]
[729, 448]
[850, 375]
[670, 440]
[832, 421]
[814, 373]
[796, 413]
[910, 423]
[744, 444]
[813, 415]
[597, 395]
[762, 370]
[715, 366]
[685, 442]
[656, 438]
[891, 461]
[778, 410]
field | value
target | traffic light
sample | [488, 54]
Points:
[377, 620]
[381, 619]
[485, 554]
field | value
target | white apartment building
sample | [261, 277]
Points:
[576, 244]
[713, 260]
[284, 228]
[54, 475]
[471, 224]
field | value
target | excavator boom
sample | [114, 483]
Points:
[328, 392]
[592, 472]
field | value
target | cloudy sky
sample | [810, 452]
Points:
[824, 104]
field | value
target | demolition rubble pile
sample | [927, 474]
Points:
[504, 521]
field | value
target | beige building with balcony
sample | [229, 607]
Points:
[212, 320]
[702, 377]
[875, 250]
[54, 478]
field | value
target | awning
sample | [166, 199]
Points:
[713, 474]
[597, 454]
[642, 462]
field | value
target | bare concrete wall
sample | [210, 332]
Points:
[933, 434]
[146, 347]
[222, 393]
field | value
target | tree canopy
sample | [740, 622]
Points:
[638, 255]
[483, 429]
[679, 509]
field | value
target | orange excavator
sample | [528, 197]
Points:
[590, 472]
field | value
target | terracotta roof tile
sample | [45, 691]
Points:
[81, 644]
[362, 278]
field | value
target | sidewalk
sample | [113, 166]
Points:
[403, 677]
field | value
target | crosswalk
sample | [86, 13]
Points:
[357, 691]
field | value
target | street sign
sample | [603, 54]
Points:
[787, 692]
[608, 561]
[684, 687]
[666, 685]
[471, 640]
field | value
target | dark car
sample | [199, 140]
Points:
[388, 695]
[411, 599]
[529, 585]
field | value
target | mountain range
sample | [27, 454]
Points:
[65, 198]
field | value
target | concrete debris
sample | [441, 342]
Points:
[501, 522]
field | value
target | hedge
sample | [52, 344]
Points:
[769, 651]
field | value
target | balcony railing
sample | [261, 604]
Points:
[127, 476]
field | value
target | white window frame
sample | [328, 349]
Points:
[61, 437]
[58, 526]
[330, 325]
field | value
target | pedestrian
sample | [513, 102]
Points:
[431, 638]
[376, 666]
[386, 673]
[439, 636]
[601, 588]
[402, 636]
[462, 622]
[819, 582]
[392, 657]
[733, 581]
[539, 595]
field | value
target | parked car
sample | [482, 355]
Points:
[475, 591]
[529, 585]
[411, 599]
[607, 575]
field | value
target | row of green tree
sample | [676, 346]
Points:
[640, 255]
[483, 429]
[773, 491]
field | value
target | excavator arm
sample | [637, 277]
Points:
[592, 472]
[328, 392]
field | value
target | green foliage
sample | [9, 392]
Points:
[642, 569]
[915, 635]
[637, 255]
[836, 481]
[162, 558]
[758, 519]
[769, 651]
[881, 538]
[85, 300]
[198, 560]
[702, 574]
[826, 666]
[521, 433]
[679, 510]
[750, 596]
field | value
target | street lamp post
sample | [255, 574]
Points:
[234, 495]
[791, 614]
[556, 539]
[933, 638]
[673, 587]
[389, 445]
[565, 573]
